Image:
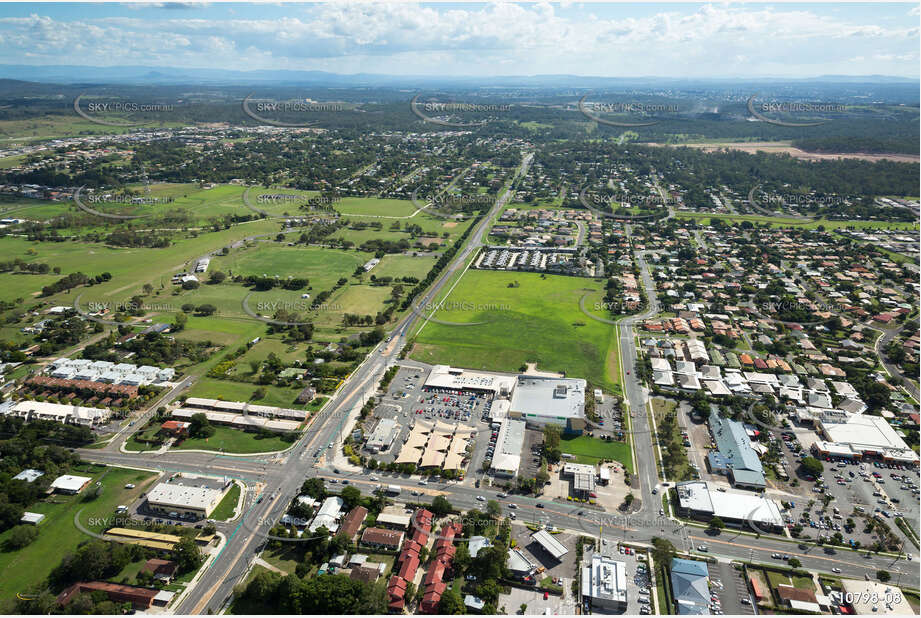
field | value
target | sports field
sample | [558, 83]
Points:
[29, 566]
[537, 321]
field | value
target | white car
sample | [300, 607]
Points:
[481, 498]
[836, 570]
[701, 548]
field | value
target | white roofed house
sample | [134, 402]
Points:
[328, 515]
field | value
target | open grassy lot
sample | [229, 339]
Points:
[224, 510]
[228, 440]
[375, 207]
[593, 450]
[29, 566]
[537, 320]
[398, 265]
[321, 266]
[228, 390]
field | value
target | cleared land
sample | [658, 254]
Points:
[786, 148]
[537, 320]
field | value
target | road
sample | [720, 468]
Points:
[882, 342]
[635, 393]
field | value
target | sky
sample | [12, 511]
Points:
[694, 40]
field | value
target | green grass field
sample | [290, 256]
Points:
[225, 510]
[236, 441]
[593, 450]
[785, 222]
[539, 321]
[375, 207]
[399, 265]
[29, 566]
[242, 391]
[321, 266]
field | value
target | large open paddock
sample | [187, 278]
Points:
[537, 320]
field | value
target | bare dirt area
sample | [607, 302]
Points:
[784, 148]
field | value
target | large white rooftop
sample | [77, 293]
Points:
[185, 496]
[561, 398]
[605, 578]
[729, 504]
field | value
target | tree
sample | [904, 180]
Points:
[883, 576]
[794, 563]
[451, 603]
[180, 322]
[351, 495]
[314, 487]
[205, 309]
[186, 554]
[717, 524]
[812, 466]
[217, 277]
[663, 551]
[200, 426]
[493, 509]
[552, 436]
[441, 506]
[20, 536]
[489, 564]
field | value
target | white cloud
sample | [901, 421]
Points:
[710, 40]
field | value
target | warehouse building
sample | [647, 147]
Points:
[187, 497]
[604, 584]
[864, 435]
[381, 439]
[70, 484]
[506, 459]
[699, 500]
[540, 401]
